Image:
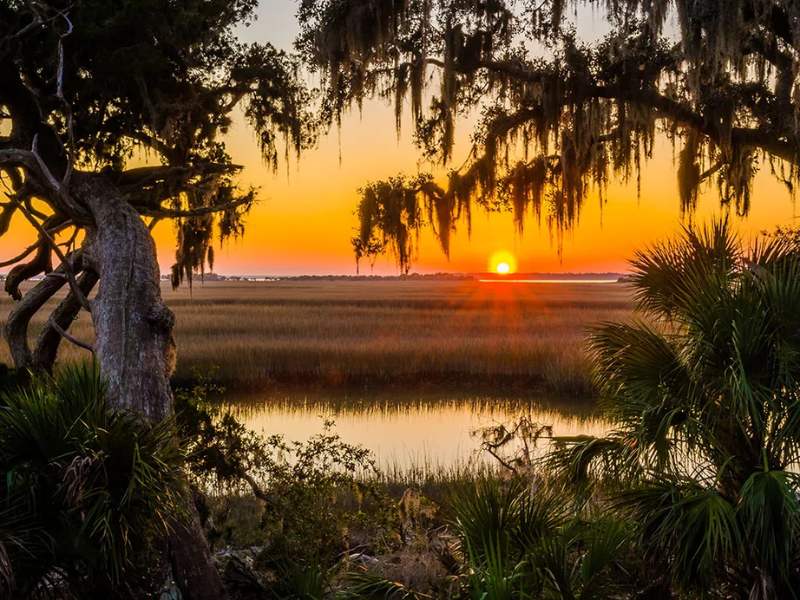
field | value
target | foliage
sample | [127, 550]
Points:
[558, 115]
[221, 453]
[704, 400]
[84, 490]
[314, 496]
[523, 540]
[514, 445]
[165, 84]
[366, 586]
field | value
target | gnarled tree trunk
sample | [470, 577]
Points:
[133, 326]
[135, 348]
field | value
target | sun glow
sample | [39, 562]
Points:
[502, 263]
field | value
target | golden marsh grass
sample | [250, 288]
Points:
[345, 333]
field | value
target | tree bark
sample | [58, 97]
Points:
[136, 351]
[133, 326]
[44, 356]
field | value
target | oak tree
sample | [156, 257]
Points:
[559, 115]
[112, 117]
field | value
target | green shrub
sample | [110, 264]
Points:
[84, 490]
[305, 504]
[704, 397]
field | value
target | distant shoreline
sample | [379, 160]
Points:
[534, 277]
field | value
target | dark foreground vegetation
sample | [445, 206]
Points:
[693, 495]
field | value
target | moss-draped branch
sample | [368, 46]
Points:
[559, 117]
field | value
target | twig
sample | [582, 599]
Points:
[35, 245]
[20, 256]
[59, 188]
[67, 106]
[73, 283]
[710, 171]
[70, 338]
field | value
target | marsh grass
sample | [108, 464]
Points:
[384, 333]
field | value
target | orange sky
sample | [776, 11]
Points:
[304, 220]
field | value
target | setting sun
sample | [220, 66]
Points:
[502, 263]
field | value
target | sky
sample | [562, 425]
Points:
[304, 219]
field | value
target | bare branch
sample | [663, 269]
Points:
[44, 355]
[16, 157]
[41, 262]
[24, 254]
[66, 263]
[43, 168]
[16, 328]
[67, 107]
[167, 213]
[57, 328]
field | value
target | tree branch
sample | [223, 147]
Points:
[653, 99]
[24, 254]
[57, 328]
[16, 328]
[167, 213]
[41, 262]
[64, 260]
[147, 175]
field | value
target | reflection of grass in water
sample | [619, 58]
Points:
[403, 425]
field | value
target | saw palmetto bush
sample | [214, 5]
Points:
[703, 394]
[83, 488]
[524, 538]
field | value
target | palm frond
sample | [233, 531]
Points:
[370, 586]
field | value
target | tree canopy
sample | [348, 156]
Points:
[164, 84]
[560, 115]
[129, 100]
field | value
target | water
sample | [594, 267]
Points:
[406, 430]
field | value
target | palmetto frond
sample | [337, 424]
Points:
[705, 396]
[669, 277]
[98, 482]
[692, 527]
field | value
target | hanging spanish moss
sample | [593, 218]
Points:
[553, 130]
[195, 230]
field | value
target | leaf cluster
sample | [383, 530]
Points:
[84, 491]
[703, 399]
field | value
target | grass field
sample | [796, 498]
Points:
[350, 333]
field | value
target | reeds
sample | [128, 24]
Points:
[352, 333]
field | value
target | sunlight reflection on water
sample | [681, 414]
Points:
[409, 431]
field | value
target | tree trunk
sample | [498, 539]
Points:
[133, 326]
[136, 352]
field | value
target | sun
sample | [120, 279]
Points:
[502, 262]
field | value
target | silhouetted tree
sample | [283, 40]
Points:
[559, 115]
[111, 114]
